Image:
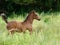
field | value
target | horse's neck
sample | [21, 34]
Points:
[29, 20]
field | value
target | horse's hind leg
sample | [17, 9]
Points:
[11, 31]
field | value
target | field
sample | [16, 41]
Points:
[46, 31]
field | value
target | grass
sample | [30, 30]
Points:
[46, 31]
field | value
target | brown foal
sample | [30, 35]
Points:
[21, 26]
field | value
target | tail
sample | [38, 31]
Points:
[4, 17]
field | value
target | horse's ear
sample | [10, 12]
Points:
[33, 11]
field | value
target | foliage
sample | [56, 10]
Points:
[24, 6]
[48, 4]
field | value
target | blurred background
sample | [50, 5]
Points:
[24, 6]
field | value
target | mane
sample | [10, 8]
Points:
[27, 17]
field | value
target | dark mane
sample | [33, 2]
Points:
[33, 11]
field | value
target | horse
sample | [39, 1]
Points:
[14, 26]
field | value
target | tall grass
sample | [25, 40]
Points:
[46, 31]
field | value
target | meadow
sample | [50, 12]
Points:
[45, 32]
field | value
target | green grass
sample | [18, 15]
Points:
[46, 31]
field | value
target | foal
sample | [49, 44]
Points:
[21, 26]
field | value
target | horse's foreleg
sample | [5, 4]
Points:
[23, 30]
[30, 30]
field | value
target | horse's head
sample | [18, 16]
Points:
[35, 16]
